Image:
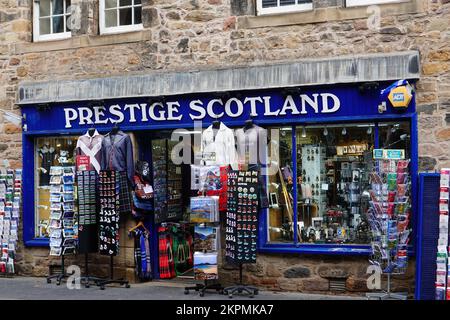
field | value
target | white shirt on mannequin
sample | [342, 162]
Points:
[219, 149]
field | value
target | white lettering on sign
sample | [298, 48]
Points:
[303, 104]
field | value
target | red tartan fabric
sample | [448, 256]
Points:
[164, 270]
[166, 261]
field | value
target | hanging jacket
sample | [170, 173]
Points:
[117, 154]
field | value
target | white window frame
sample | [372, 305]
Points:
[118, 29]
[36, 24]
[359, 3]
[282, 9]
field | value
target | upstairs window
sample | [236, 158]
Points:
[50, 20]
[282, 6]
[355, 3]
[120, 16]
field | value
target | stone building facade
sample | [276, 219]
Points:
[189, 35]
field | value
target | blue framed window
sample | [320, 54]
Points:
[336, 158]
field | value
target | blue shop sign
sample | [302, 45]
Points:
[266, 106]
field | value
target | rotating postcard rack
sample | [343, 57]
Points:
[389, 217]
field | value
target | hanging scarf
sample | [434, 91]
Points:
[137, 257]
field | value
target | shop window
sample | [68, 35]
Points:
[282, 6]
[333, 166]
[395, 135]
[280, 185]
[49, 151]
[120, 16]
[354, 3]
[50, 20]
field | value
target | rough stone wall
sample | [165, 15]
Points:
[194, 34]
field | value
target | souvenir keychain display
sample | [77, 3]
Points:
[87, 211]
[109, 214]
[10, 200]
[389, 218]
[242, 216]
[442, 261]
[63, 227]
[242, 225]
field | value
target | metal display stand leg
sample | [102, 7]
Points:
[58, 277]
[88, 279]
[240, 287]
[201, 288]
[387, 295]
[102, 283]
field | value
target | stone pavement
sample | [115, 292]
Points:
[28, 288]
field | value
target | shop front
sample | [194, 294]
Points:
[316, 160]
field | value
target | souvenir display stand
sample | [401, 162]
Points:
[87, 181]
[389, 218]
[10, 201]
[242, 225]
[442, 261]
[63, 225]
[205, 212]
[109, 223]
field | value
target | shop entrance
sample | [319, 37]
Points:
[173, 234]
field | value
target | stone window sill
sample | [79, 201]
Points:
[327, 15]
[83, 41]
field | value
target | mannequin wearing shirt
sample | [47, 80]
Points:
[218, 146]
[252, 153]
[90, 145]
[252, 144]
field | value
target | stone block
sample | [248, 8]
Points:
[14, 61]
[229, 23]
[434, 68]
[439, 55]
[200, 16]
[150, 17]
[21, 26]
[273, 270]
[443, 135]
[287, 285]
[10, 128]
[314, 285]
[333, 271]
[297, 272]
[354, 284]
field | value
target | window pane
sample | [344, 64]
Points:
[111, 18]
[58, 24]
[137, 2]
[58, 7]
[280, 185]
[269, 3]
[333, 167]
[67, 4]
[395, 135]
[125, 17]
[49, 152]
[287, 2]
[123, 3]
[44, 26]
[110, 4]
[44, 8]
[137, 15]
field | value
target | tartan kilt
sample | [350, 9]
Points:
[124, 194]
